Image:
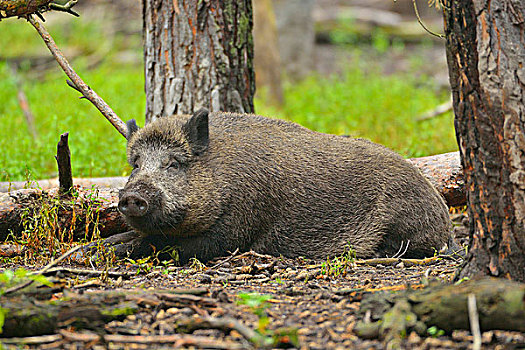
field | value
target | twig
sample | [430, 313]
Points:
[72, 271]
[56, 261]
[42, 271]
[423, 25]
[42, 339]
[186, 299]
[23, 102]
[227, 324]
[63, 158]
[439, 110]
[87, 92]
[404, 251]
[395, 261]
[176, 340]
[474, 321]
[220, 263]
[253, 253]
[65, 8]
[399, 254]
[399, 251]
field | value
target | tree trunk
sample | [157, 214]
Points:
[485, 53]
[198, 54]
[267, 60]
[295, 28]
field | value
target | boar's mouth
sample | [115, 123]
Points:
[153, 224]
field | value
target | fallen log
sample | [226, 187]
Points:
[47, 184]
[389, 316]
[25, 315]
[87, 212]
[95, 209]
[445, 173]
[443, 170]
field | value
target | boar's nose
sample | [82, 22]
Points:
[132, 204]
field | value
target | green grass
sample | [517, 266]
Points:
[96, 148]
[370, 105]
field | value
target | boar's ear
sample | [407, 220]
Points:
[196, 130]
[132, 128]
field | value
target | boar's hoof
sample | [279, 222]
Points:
[125, 245]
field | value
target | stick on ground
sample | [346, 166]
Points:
[63, 157]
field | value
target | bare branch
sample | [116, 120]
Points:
[24, 8]
[423, 25]
[86, 91]
[65, 8]
[12, 8]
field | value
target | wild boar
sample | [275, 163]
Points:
[211, 183]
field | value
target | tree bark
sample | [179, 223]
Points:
[198, 54]
[10, 8]
[485, 54]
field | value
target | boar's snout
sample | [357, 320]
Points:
[132, 204]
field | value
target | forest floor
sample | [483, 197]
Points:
[291, 303]
[283, 303]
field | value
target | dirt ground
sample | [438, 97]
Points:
[298, 304]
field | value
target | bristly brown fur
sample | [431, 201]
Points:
[279, 188]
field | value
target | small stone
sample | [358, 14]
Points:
[161, 314]
[400, 265]
[302, 275]
[172, 311]
[203, 278]
[304, 331]
[413, 338]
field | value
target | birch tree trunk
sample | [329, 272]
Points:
[198, 54]
[486, 57]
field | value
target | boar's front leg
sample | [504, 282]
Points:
[128, 244]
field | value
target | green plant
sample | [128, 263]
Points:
[435, 332]
[9, 278]
[143, 265]
[339, 265]
[45, 234]
[258, 303]
[362, 102]
[196, 265]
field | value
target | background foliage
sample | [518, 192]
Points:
[359, 100]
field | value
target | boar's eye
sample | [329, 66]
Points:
[174, 165]
[135, 163]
